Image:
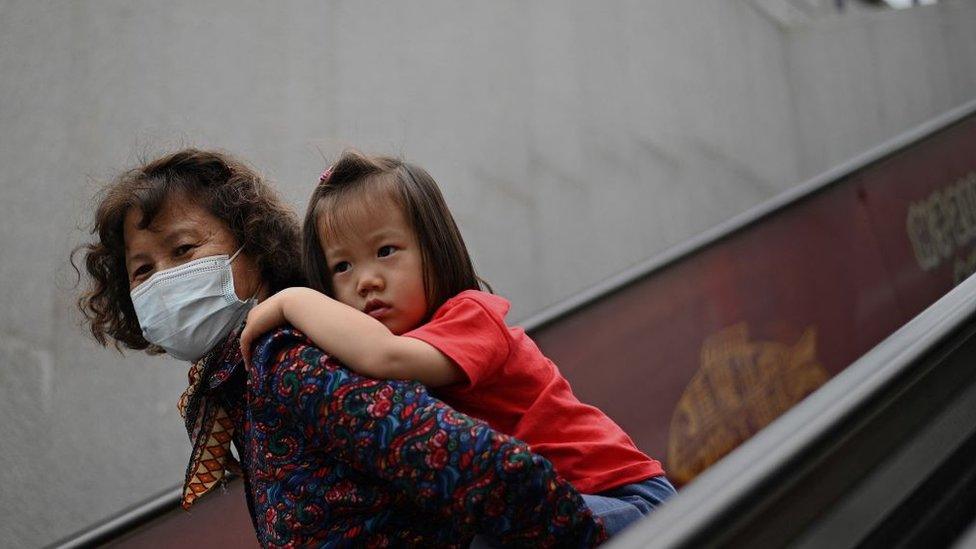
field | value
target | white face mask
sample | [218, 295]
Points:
[189, 309]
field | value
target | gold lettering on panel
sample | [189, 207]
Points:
[942, 223]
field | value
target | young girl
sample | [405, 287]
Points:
[395, 296]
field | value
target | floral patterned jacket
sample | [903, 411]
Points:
[331, 458]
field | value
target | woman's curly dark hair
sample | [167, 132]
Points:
[266, 228]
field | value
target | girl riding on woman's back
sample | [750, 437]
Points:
[398, 298]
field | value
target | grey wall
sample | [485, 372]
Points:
[857, 81]
[572, 140]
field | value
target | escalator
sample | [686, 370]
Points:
[883, 455]
[695, 351]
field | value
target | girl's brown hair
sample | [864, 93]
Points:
[447, 267]
[229, 189]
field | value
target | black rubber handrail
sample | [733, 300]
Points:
[151, 509]
[126, 521]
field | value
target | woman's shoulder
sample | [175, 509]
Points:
[281, 347]
[286, 364]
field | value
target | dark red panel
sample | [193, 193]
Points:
[218, 520]
[696, 357]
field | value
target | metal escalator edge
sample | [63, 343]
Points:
[129, 519]
[861, 461]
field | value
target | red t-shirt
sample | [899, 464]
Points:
[518, 391]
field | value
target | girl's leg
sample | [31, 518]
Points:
[623, 506]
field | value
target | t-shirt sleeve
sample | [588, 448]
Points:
[471, 335]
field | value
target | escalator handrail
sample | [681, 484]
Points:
[124, 522]
[725, 488]
[150, 509]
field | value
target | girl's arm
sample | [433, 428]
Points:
[358, 340]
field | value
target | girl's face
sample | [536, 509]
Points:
[375, 265]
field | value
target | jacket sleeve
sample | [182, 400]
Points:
[448, 464]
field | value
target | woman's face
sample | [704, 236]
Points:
[183, 231]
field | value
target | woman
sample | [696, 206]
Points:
[185, 245]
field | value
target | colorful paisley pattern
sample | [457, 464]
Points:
[332, 458]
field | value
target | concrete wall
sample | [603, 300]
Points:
[572, 140]
[859, 80]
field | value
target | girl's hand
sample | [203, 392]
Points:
[264, 317]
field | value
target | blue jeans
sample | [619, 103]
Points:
[618, 507]
[621, 506]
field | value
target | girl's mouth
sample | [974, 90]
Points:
[377, 309]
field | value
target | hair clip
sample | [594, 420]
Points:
[326, 174]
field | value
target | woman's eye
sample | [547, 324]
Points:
[341, 267]
[182, 250]
[385, 251]
[138, 273]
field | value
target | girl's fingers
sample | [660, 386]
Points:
[246, 346]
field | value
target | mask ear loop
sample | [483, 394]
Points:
[233, 257]
[231, 260]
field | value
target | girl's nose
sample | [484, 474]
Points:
[370, 282]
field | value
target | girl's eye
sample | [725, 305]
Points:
[385, 251]
[341, 267]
